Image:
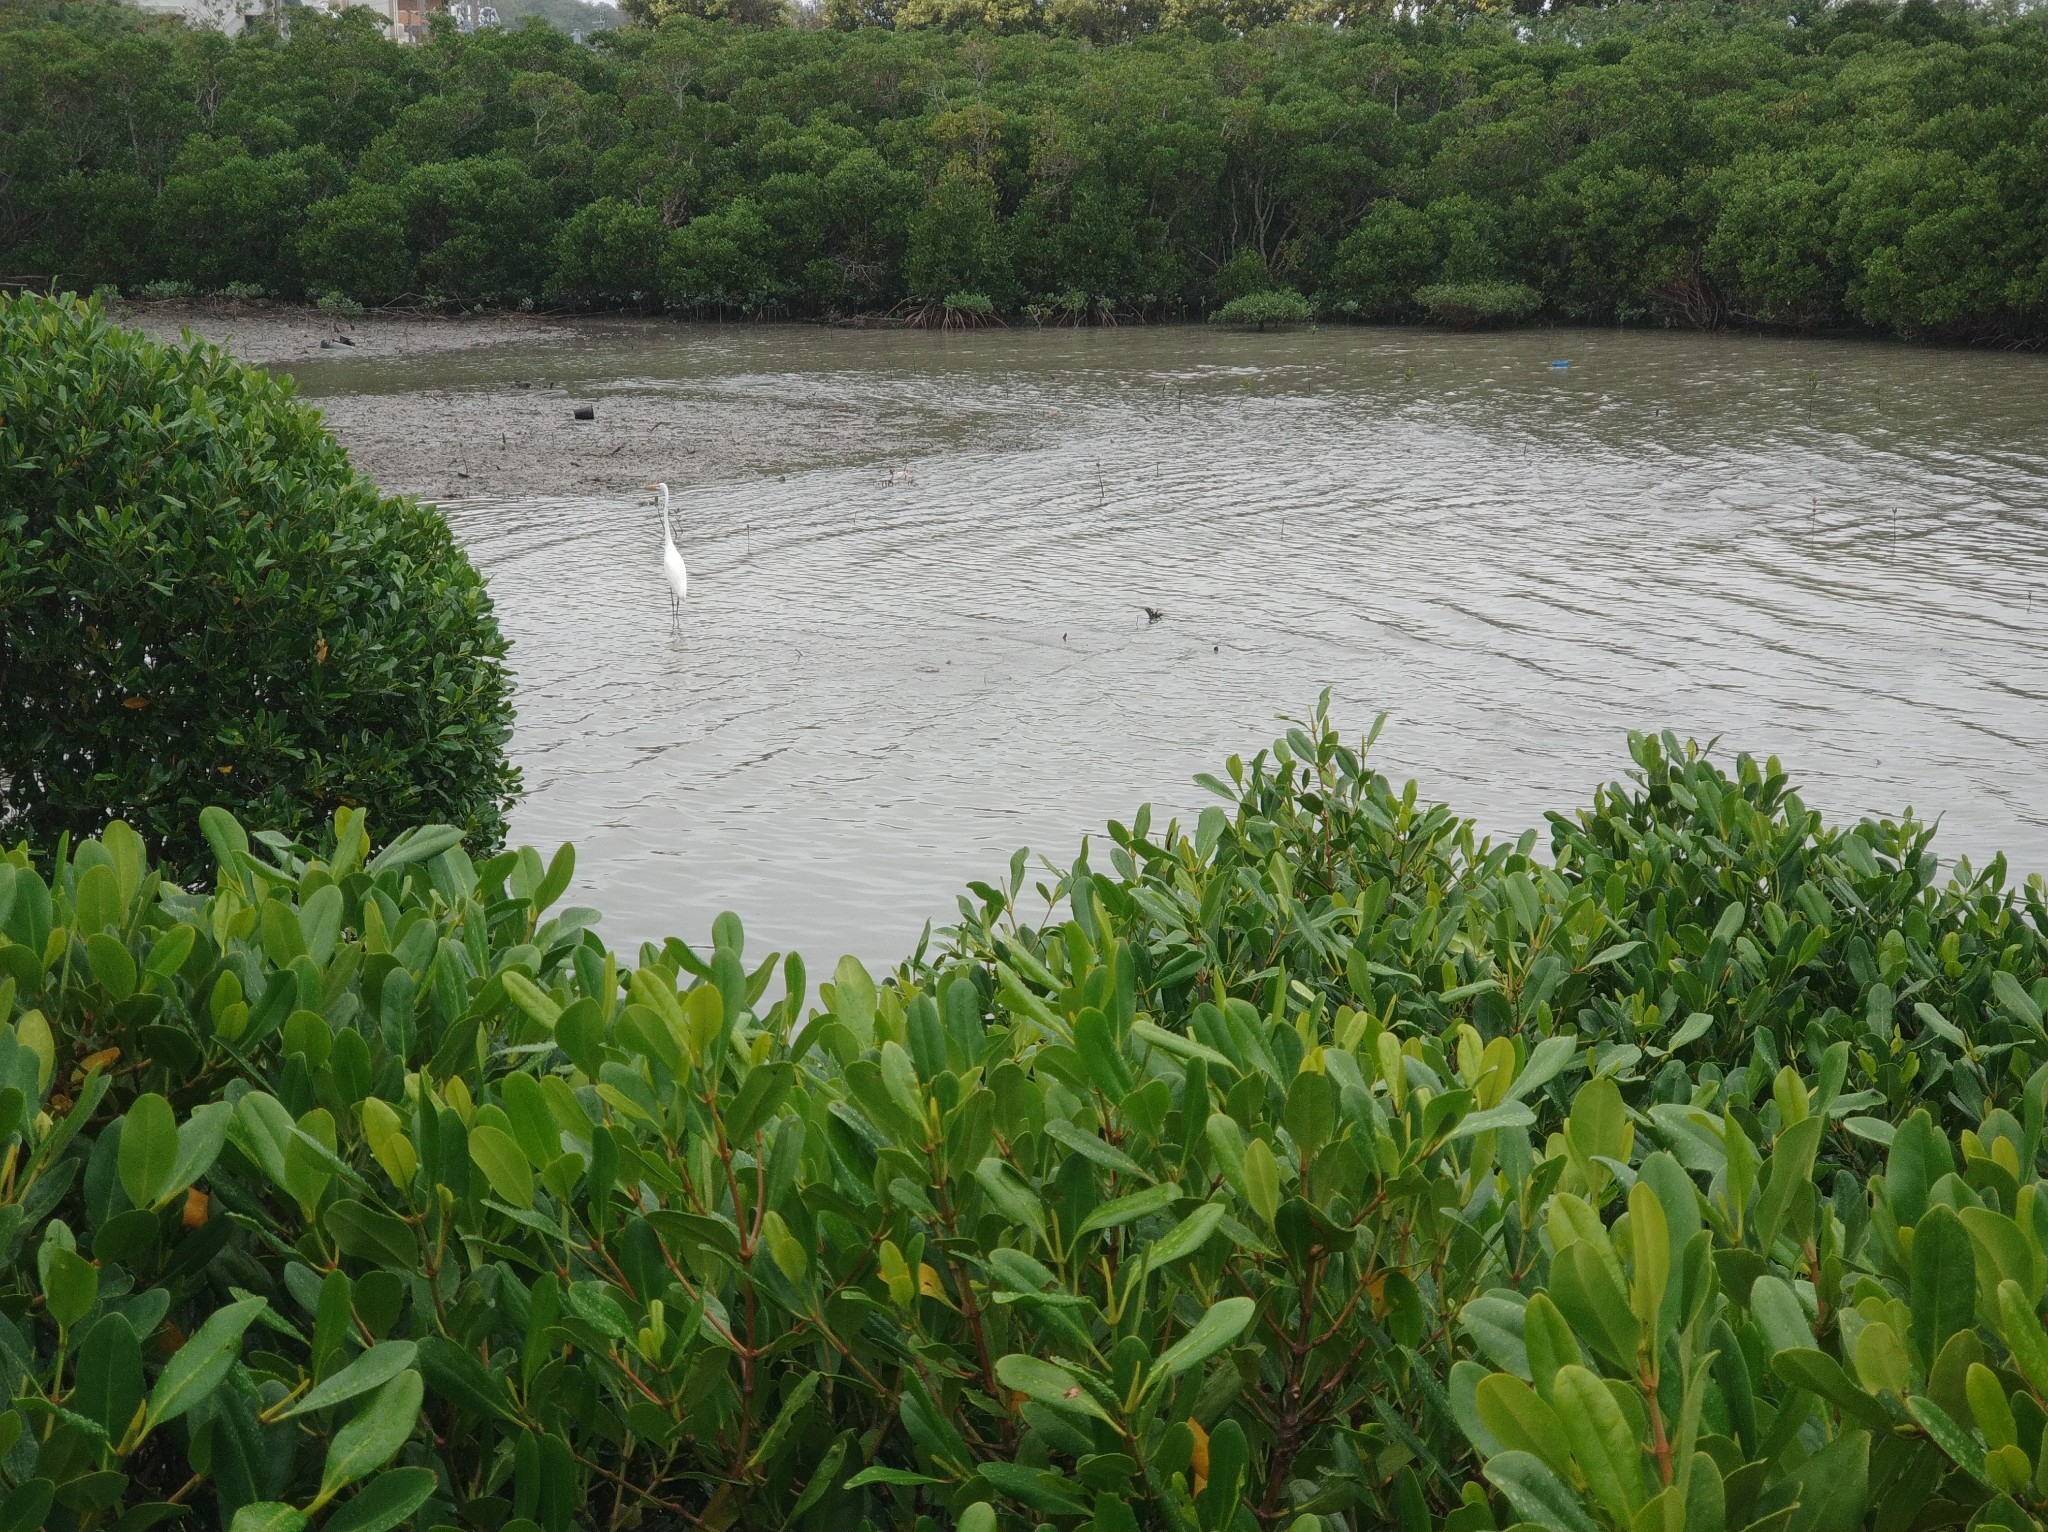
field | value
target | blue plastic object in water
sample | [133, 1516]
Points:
[1560, 364]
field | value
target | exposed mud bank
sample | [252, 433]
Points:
[460, 408]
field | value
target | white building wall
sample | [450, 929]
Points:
[229, 15]
[222, 15]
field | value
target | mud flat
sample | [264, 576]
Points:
[485, 407]
[269, 334]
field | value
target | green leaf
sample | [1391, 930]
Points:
[1919, 1157]
[226, 838]
[113, 966]
[1509, 1114]
[1881, 1361]
[1521, 1421]
[1989, 1406]
[1224, 1323]
[1944, 1293]
[1100, 1056]
[2013, 995]
[1650, 1236]
[1118, 1211]
[369, 1235]
[530, 998]
[1090, 1147]
[457, 1376]
[759, 1097]
[2020, 1328]
[1818, 1373]
[1961, 1447]
[168, 952]
[201, 1363]
[1495, 1320]
[107, 1381]
[2008, 1254]
[822, 1477]
[1186, 1237]
[71, 1285]
[1016, 1201]
[498, 1155]
[898, 1476]
[1779, 1315]
[373, 1369]
[419, 844]
[385, 1502]
[786, 1418]
[1791, 1172]
[1547, 1060]
[1262, 1180]
[374, 1435]
[1537, 1495]
[1548, 1341]
[1178, 1046]
[1832, 1487]
[268, 1516]
[1600, 1440]
[1310, 1115]
[200, 1140]
[1049, 1384]
[149, 1149]
[1040, 1488]
[1585, 1290]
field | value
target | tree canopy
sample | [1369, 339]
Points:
[1862, 165]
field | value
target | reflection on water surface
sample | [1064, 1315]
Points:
[918, 641]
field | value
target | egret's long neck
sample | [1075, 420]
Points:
[667, 536]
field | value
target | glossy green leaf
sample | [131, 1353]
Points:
[1600, 1440]
[1538, 1496]
[385, 1502]
[1944, 1293]
[149, 1150]
[268, 1516]
[373, 1369]
[200, 1364]
[498, 1155]
[1521, 1421]
[1262, 1180]
[1119, 1211]
[1185, 1237]
[71, 1286]
[107, 1375]
[1048, 1384]
[1224, 1322]
[375, 1433]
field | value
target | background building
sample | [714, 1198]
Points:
[406, 20]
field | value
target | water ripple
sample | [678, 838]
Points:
[1826, 551]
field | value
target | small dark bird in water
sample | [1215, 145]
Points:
[1152, 613]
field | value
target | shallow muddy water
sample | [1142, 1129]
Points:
[916, 640]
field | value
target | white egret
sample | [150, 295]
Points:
[672, 562]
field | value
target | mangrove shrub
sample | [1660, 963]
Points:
[1316, 1165]
[201, 602]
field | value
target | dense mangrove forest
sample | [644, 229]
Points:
[1862, 166]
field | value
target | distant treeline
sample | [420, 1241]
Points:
[1865, 165]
